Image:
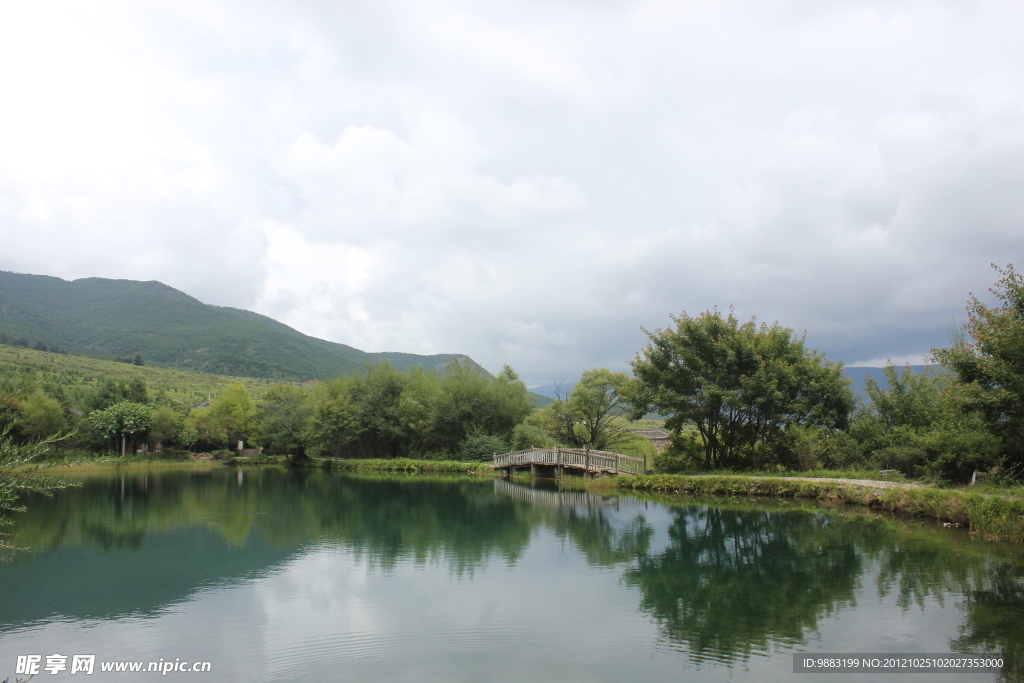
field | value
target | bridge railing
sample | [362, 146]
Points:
[572, 457]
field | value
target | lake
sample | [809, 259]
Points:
[302, 575]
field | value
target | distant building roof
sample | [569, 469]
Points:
[659, 437]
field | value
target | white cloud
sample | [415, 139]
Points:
[524, 182]
[909, 359]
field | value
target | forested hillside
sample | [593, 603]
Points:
[126, 318]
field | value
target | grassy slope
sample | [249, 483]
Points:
[85, 370]
[82, 370]
[105, 318]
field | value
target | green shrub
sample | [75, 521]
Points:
[953, 456]
[481, 448]
[436, 456]
[805, 448]
[684, 454]
[527, 434]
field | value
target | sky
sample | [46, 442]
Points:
[525, 182]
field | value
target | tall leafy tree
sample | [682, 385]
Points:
[334, 424]
[165, 424]
[740, 385]
[124, 422]
[989, 362]
[383, 427]
[471, 403]
[283, 415]
[40, 416]
[584, 416]
[913, 424]
[230, 418]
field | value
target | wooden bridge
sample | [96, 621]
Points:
[553, 462]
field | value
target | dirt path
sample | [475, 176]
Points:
[877, 485]
[872, 483]
[864, 483]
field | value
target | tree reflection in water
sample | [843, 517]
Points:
[734, 580]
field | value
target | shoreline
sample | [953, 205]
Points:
[992, 516]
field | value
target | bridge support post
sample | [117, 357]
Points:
[533, 468]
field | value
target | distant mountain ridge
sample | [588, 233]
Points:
[858, 376]
[107, 318]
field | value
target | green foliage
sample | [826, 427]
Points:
[915, 425]
[335, 420]
[385, 413]
[468, 403]
[396, 465]
[990, 366]
[91, 383]
[528, 434]
[585, 417]
[165, 424]
[284, 415]
[390, 417]
[741, 386]
[125, 420]
[637, 446]
[684, 454]
[39, 416]
[481, 448]
[19, 474]
[230, 418]
[809, 447]
[910, 399]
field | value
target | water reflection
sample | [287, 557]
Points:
[724, 582]
[734, 581]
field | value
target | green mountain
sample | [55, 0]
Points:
[106, 318]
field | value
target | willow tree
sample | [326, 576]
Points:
[20, 475]
[740, 385]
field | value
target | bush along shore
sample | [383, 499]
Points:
[992, 517]
[393, 465]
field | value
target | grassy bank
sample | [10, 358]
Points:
[397, 465]
[355, 465]
[125, 463]
[993, 517]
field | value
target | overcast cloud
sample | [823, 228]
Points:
[524, 182]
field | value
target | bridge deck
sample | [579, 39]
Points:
[590, 462]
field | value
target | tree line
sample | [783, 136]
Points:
[734, 395]
[747, 396]
[381, 412]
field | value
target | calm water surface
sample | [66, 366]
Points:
[276, 575]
